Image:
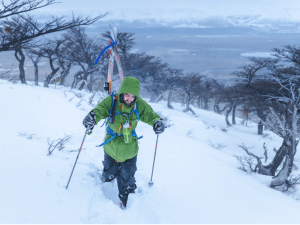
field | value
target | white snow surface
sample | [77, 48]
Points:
[193, 182]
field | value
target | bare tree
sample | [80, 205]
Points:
[50, 50]
[151, 72]
[279, 107]
[248, 72]
[64, 59]
[20, 28]
[171, 82]
[35, 56]
[85, 52]
[228, 96]
[16, 7]
[190, 85]
[206, 92]
[56, 24]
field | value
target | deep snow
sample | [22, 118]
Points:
[193, 182]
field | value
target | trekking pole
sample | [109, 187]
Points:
[151, 182]
[87, 130]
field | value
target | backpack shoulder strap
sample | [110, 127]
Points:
[112, 107]
[136, 111]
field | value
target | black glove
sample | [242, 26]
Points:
[90, 120]
[158, 127]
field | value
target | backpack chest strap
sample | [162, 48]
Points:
[114, 135]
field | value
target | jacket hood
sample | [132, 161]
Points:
[130, 85]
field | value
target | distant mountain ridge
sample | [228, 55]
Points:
[256, 22]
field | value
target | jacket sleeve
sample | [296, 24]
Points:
[102, 109]
[146, 113]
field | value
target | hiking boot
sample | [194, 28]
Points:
[123, 199]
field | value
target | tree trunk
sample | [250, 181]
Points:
[228, 110]
[50, 75]
[64, 74]
[84, 81]
[233, 113]
[198, 101]
[158, 98]
[21, 64]
[217, 109]
[77, 78]
[153, 97]
[90, 85]
[36, 74]
[206, 103]
[270, 169]
[184, 100]
[281, 178]
[260, 128]
[169, 99]
[82, 85]
[187, 104]
[188, 108]
[216, 106]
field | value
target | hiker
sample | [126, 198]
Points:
[123, 111]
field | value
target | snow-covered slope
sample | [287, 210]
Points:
[193, 182]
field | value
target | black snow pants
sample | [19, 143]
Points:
[124, 172]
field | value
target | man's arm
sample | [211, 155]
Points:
[147, 115]
[102, 109]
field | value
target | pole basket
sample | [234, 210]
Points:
[150, 183]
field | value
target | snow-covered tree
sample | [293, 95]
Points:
[279, 96]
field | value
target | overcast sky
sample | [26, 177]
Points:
[170, 10]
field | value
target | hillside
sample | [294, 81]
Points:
[193, 182]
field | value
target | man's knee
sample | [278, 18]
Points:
[111, 168]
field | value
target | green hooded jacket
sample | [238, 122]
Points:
[117, 148]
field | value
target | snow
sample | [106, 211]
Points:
[193, 182]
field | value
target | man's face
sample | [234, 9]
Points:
[128, 98]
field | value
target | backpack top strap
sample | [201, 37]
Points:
[113, 97]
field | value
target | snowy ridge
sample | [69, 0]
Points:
[193, 182]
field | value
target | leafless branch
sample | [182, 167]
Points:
[56, 24]
[59, 143]
[246, 164]
[16, 7]
[246, 149]
[218, 146]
